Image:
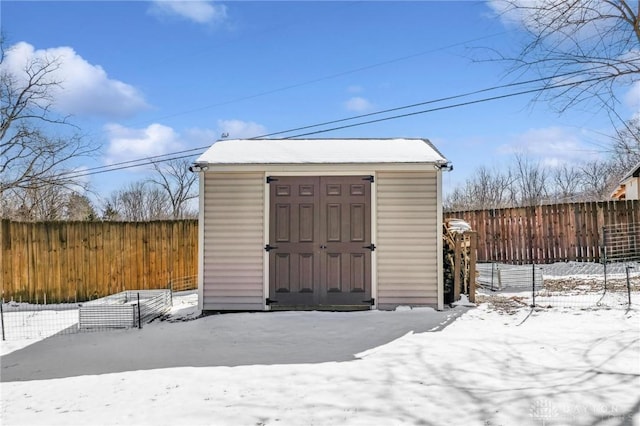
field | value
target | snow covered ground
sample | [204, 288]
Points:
[37, 322]
[491, 366]
[563, 284]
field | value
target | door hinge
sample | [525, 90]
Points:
[269, 301]
[371, 247]
[371, 301]
[271, 179]
[369, 178]
[269, 247]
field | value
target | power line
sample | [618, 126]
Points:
[116, 166]
[146, 159]
[493, 98]
[448, 98]
[113, 169]
[171, 156]
[326, 123]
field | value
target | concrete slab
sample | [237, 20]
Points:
[221, 340]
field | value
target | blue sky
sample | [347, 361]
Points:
[148, 78]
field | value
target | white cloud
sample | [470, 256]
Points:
[198, 11]
[238, 129]
[553, 146]
[358, 104]
[543, 15]
[508, 15]
[84, 89]
[523, 12]
[632, 98]
[131, 144]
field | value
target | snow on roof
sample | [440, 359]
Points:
[338, 151]
[634, 172]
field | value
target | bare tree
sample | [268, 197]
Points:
[495, 188]
[179, 185]
[485, 189]
[32, 158]
[626, 146]
[530, 180]
[583, 52]
[592, 46]
[139, 201]
[566, 181]
[45, 203]
[529, 183]
[461, 198]
[37, 203]
[597, 180]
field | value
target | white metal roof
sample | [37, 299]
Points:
[315, 151]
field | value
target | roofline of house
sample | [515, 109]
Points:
[634, 172]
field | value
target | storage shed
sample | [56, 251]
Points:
[320, 224]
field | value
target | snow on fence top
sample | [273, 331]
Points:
[337, 151]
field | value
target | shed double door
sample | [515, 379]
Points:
[320, 240]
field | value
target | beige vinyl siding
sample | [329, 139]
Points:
[407, 232]
[233, 239]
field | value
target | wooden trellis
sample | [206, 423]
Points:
[463, 258]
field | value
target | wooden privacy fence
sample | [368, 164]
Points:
[79, 261]
[547, 233]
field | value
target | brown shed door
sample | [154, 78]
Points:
[320, 233]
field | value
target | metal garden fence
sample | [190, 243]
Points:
[570, 284]
[621, 243]
[128, 309]
[183, 283]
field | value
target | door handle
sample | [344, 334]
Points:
[322, 246]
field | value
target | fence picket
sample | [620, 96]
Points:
[78, 261]
[546, 234]
[75, 261]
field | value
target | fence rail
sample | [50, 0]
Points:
[50, 262]
[551, 233]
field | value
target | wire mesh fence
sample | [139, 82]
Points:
[621, 242]
[183, 283]
[31, 321]
[128, 309]
[571, 284]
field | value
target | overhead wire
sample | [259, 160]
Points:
[447, 98]
[116, 166]
[148, 160]
[172, 155]
[493, 98]
[326, 123]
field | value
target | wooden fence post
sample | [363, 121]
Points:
[457, 259]
[473, 245]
